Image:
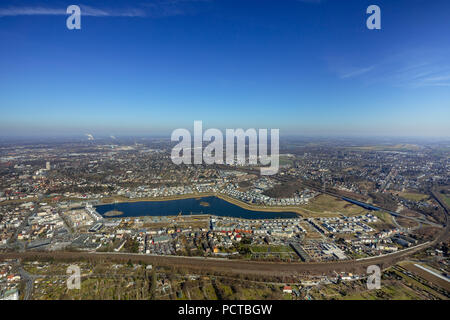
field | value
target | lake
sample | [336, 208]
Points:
[205, 205]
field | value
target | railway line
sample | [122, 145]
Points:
[237, 266]
[226, 265]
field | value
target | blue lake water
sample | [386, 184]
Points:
[216, 207]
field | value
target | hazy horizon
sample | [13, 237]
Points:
[304, 67]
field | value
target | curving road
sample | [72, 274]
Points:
[238, 266]
[228, 265]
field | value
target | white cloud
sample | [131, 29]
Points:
[30, 11]
[85, 10]
[310, 1]
[409, 70]
[159, 8]
[430, 74]
[90, 11]
[356, 72]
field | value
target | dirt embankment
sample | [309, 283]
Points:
[223, 265]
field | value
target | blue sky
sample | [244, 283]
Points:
[148, 67]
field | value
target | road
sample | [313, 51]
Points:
[13, 240]
[235, 266]
[29, 282]
[238, 266]
[422, 219]
[256, 268]
[226, 265]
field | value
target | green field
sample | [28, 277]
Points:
[384, 216]
[396, 147]
[286, 160]
[263, 249]
[386, 292]
[413, 196]
[327, 205]
[357, 290]
[446, 199]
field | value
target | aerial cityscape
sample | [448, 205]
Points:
[98, 201]
[330, 202]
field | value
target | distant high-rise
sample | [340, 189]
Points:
[47, 165]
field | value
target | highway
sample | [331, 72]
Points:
[422, 219]
[236, 266]
[29, 282]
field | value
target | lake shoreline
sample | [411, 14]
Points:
[243, 205]
[219, 205]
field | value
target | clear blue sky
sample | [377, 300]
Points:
[148, 67]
